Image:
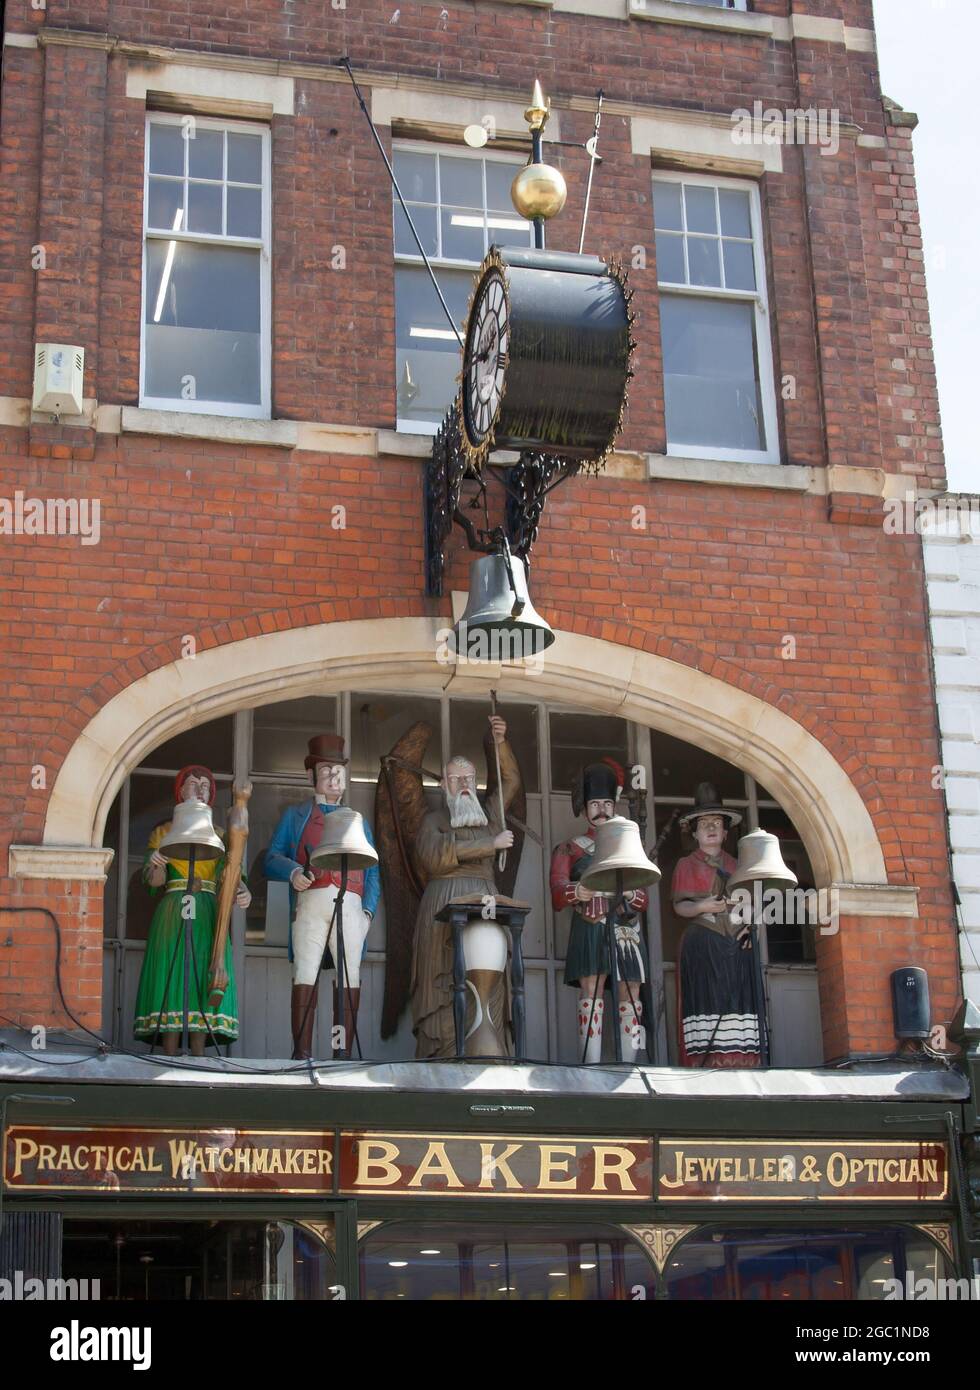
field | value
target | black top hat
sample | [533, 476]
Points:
[707, 803]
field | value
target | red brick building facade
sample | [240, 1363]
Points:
[755, 609]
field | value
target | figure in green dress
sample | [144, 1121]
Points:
[160, 997]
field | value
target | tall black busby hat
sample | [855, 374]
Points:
[598, 782]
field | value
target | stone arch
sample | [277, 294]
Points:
[594, 665]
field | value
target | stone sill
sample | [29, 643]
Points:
[877, 900]
[787, 477]
[227, 429]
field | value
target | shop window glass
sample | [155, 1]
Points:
[577, 739]
[211, 744]
[753, 1265]
[281, 733]
[468, 725]
[378, 721]
[501, 1262]
[232, 1261]
[790, 943]
[678, 767]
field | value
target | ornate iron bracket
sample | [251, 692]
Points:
[527, 484]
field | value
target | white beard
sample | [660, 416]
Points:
[464, 810]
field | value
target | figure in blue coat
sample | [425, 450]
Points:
[313, 894]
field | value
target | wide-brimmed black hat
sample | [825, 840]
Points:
[708, 803]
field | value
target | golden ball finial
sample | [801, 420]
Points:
[539, 191]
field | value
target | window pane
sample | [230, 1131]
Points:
[701, 213]
[205, 153]
[416, 175]
[502, 1262]
[670, 258]
[166, 149]
[162, 1259]
[427, 350]
[281, 733]
[460, 240]
[468, 723]
[203, 322]
[508, 230]
[667, 205]
[165, 198]
[461, 181]
[425, 224]
[702, 260]
[204, 208]
[244, 158]
[739, 265]
[710, 372]
[378, 721]
[210, 744]
[735, 217]
[244, 212]
[579, 739]
[499, 179]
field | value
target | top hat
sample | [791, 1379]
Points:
[707, 803]
[598, 782]
[325, 748]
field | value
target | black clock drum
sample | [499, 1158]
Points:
[547, 354]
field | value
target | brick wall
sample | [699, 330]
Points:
[212, 539]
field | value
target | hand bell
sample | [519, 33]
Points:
[619, 862]
[192, 829]
[344, 838]
[760, 860]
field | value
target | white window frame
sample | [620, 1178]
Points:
[262, 410]
[715, 5]
[439, 262]
[763, 333]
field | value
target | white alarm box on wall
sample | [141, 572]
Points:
[59, 370]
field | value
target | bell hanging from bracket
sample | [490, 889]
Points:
[500, 622]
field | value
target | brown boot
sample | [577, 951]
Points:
[303, 1021]
[352, 1003]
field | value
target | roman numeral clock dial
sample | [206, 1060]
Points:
[485, 362]
[546, 356]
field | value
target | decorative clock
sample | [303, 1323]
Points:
[547, 351]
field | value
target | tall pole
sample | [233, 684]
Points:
[537, 139]
[191, 908]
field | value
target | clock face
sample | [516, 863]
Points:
[486, 358]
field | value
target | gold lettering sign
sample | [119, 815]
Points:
[461, 1165]
[816, 1171]
[121, 1160]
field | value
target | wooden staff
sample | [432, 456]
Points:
[236, 833]
[502, 856]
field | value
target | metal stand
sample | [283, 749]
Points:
[759, 996]
[185, 1039]
[614, 905]
[342, 1052]
[517, 1001]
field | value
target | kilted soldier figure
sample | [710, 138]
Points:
[719, 1026]
[597, 789]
